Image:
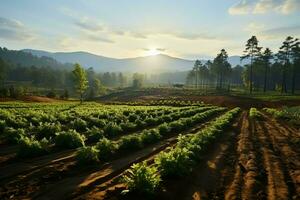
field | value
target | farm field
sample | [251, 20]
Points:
[165, 149]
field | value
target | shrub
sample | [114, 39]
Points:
[79, 124]
[112, 130]
[12, 135]
[142, 179]
[176, 162]
[254, 113]
[29, 147]
[176, 126]
[131, 142]
[150, 136]
[128, 126]
[48, 130]
[2, 125]
[69, 139]
[100, 123]
[106, 149]
[163, 129]
[87, 155]
[94, 134]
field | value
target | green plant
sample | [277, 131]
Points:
[12, 135]
[112, 130]
[94, 134]
[163, 129]
[87, 155]
[142, 179]
[2, 125]
[69, 139]
[150, 136]
[255, 114]
[48, 130]
[29, 147]
[131, 142]
[105, 148]
[176, 162]
[79, 124]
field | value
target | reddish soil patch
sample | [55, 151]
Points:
[38, 99]
[169, 94]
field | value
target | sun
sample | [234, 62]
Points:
[152, 52]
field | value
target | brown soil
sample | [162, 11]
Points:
[38, 178]
[219, 100]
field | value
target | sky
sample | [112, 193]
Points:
[188, 29]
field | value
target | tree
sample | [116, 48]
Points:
[137, 80]
[196, 71]
[252, 51]
[284, 55]
[221, 68]
[266, 61]
[80, 79]
[296, 62]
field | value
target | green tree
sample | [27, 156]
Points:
[296, 62]
[251, 51]
[196, 71]
[284, 55]
[81, 83]
[265, 58]
[137, 80]
[221, 68]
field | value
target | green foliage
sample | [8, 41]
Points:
[131, 142]
[29, 147]
[112, 129]
[81, 83]
[150, 136]
[106, 149]
[2, 125]
[48, 130]
[255, 114]
[142, 179]
[94, 134]
[163, 129]
[12, 135]
[176, 162]
[79, 124]
[69, 139]
[87, 155]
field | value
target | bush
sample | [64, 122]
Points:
[69, 139]
[29, 147]
[13, 136]
[176, 162]
[128, 126]
[254, 113]
[87, 155]
[142, 179]
[131, 142]
[112, 130]
[163, 129]
[79, 124]
[47, 130]
[106, 148]
[176, 126]
[100, 123]
[94, 134]
[150, 136]
[2, 125]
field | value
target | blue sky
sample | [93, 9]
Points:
[130, 28]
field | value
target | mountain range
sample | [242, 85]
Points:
[155, 63]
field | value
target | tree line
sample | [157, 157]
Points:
[266, 70]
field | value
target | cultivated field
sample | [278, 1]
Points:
[174, 150]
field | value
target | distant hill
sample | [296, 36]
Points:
[157, 63]
[27, 59]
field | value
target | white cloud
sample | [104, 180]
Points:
[14, 30]
[264, 6]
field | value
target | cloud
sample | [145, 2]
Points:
[14, 30]
[281, 32]
[96, 37]
[242, 7]
[86, 24]
[263, 6]
[254, 27]
[193, 36]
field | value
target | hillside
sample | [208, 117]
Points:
[157, 63]
[27, 59]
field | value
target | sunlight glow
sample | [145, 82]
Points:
[152, 52]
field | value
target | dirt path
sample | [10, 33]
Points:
[281, 142]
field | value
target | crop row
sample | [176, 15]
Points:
[179, 160]
[105, 148]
